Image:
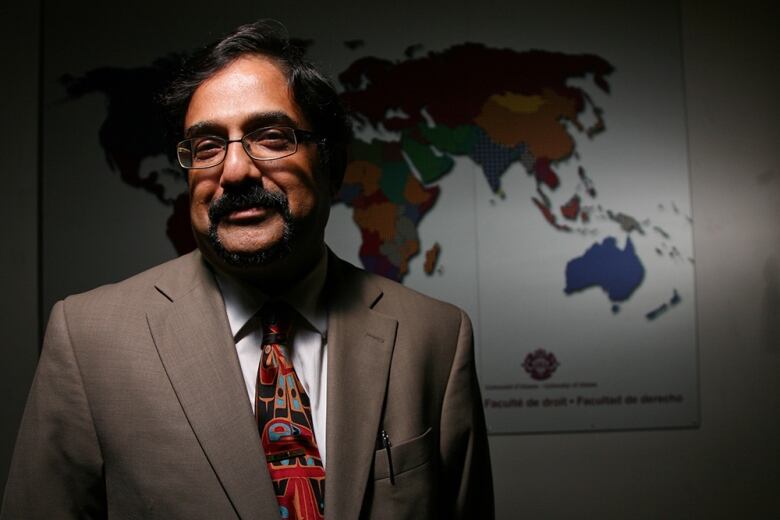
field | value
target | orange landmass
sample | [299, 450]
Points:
[365, 173]
[408, 249]
[541, 130]
[414, 191]
[432, 258]
[519, 103]
[377, 217]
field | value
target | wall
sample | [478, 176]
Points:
[728, 467]
[19, 23]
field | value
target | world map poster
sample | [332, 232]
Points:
[536, 178]
[545, 189]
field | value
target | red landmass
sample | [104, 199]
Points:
[548, 215]
[571, 209]
[391, 152]
[370, 244]
[373, 85]
[544, 173]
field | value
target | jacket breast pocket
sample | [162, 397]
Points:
[411, 491]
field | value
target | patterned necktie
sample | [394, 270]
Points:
[284, 420]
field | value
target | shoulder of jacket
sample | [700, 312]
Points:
[124, 290]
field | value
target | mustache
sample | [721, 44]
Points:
[246, 197]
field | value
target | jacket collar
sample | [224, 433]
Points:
[193, 340]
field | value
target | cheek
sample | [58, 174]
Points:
[298, 186]
[202, 192]
[302, 200]
[308, 200]
[203, 188]
[308, 190]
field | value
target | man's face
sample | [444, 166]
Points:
[276, 210]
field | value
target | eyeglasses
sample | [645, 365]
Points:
[263, 144]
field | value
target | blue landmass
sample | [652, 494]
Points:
[617, 271]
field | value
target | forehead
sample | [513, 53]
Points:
[248, 86]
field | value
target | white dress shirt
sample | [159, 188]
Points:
[309, 349]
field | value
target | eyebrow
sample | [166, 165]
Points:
[253, 121]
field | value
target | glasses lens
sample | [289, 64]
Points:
[184, 154]
[270, 143]
[206, 151]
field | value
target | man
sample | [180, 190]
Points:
[157, 397]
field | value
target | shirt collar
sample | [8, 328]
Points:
[242, 301]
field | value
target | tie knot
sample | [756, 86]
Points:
[276, 318]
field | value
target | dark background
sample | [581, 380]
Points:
[729, 467]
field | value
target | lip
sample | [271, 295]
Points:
[248, 214]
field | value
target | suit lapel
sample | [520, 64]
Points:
[193, 339]
[360, 346]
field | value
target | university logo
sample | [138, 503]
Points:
[540, 364]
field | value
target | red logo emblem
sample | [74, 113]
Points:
[540, 364]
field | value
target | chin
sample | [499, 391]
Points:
[243, 250]
[257, 258]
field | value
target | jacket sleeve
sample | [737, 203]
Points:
[57, 468]
[464, 444]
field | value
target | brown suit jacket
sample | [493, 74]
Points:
[138, 408]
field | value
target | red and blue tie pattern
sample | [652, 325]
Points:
[284, 420]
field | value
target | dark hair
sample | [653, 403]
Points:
[311, 90]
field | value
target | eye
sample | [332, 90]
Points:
[270, 138]
[204, 148]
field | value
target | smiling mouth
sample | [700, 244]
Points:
[247, 215]
[249, 206]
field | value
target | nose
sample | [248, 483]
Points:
[237, 167]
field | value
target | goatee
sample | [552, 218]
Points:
[247, 197]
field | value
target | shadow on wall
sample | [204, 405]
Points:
[771, 305]
[128, 135]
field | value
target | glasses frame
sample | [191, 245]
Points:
[299, 136]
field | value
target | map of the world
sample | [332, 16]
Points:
[545, 191]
